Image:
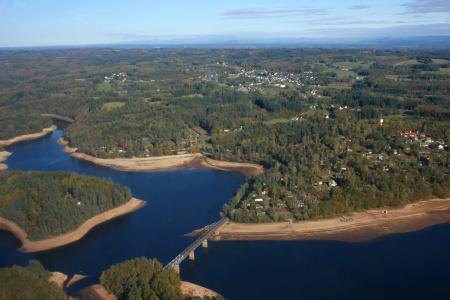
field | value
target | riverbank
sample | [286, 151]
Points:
[58, 117]
[164, 163]
[358, 227]
[188, 290]
[28, 137]
[191, 290]
[29, 246]
[3, 157]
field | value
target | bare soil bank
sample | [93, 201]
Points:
[163, 163]
[95, 292]
[70, 237]
[358, 227]
[28, 137]
[189, 290]
[58, 117]
[4, 156]
[58, 278]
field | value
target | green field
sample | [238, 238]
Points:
[411, 62]
[104, 87]
[353, 65]
[277, 121]
[112, 105]
[341, 74]
[442, 71]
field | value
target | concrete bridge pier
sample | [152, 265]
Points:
[191, 255]
[205, 243]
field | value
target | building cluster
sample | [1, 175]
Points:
[116, 76]
[410, 136]
[254, 80]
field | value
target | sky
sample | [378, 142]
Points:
[85, 22]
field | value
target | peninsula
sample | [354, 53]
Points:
[28, 137]
[166, 162]
[71, 206]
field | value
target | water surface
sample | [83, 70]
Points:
[414, 265]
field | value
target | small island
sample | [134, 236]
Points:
[45, 210]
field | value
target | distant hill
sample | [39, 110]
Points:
[271, 41]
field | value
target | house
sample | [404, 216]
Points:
[259, 200]
[332, 183]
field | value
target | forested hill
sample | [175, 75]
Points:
[47, 204]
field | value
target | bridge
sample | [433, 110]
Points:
[201, 240]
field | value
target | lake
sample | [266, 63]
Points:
[414, 265]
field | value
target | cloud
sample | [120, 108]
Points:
[359, 6]
[426, 6]
[261, 12]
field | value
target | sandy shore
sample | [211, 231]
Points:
[58, 117]
[70, 237]
[4, 156]
[189, 290]
[362, 226]
[58, 278]
[28, 137]
[95, 292]
[163, 163]
[74, 279]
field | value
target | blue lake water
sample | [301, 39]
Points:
[412, 266]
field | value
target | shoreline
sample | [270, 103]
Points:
[28, 137]
[58, 117]
[29, 246]
[192, 290]
[188, 290]
[362, 227]
[3, 157]
[164, 163]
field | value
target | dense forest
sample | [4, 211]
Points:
[28, 283]
[47, 204]
[336, 130]
[142, 278]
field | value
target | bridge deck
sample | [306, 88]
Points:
[194, 245]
